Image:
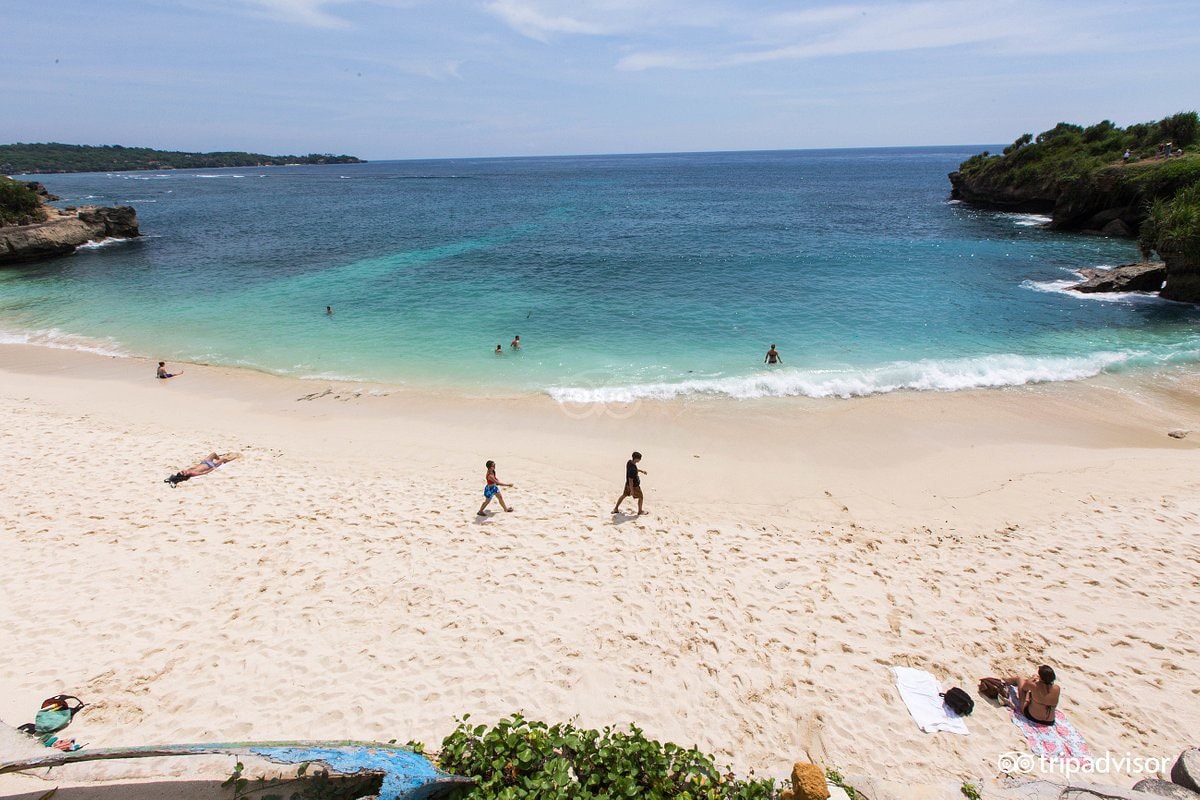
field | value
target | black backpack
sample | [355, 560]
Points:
[959, 702]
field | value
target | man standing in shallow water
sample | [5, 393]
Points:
[773, 356]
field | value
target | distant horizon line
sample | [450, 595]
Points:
[539, 155]
[689, 152]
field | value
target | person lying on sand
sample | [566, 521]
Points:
[162, 371]
[1036, 696]
[492, 489]
[205, 466]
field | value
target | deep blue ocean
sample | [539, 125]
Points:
[625, 276]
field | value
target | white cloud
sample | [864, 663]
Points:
[848, 29]
[531, 21]
[544, 19]
[311, 13]
[304, 12]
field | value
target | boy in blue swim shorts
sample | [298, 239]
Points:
[492, 489]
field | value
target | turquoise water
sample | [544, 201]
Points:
[625, 276]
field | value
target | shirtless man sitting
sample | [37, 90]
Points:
[1036, 696]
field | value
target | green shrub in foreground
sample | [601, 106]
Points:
[18, 203]
[520, 758]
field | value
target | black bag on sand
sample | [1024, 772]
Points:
[959, 702]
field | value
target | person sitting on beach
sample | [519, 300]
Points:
[491, 489]
[633, 484]
[1036, 697]
[516, 342]
[205, 466]
[773, 356]
[162, 371]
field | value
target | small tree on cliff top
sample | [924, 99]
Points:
[1180, 129]
[18, 203]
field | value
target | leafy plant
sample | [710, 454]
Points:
[19, 204]
[836, 778]
[520, 758]
[1173, 226]
[970, 791]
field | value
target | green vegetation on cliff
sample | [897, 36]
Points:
[1173, 226]
[1101, 178]
[19, 205]
[53, 157]
[1067, 153]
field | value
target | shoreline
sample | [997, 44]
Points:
[795, 548]
[936, 375]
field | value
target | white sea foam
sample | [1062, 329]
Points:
[225, 176]
[1027, 220]
[60, 340]
[103, 243]
[328, 376]
[943, 375]
[1064, 287]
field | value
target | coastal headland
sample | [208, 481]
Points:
[32, 158]
[1141, 181]
[32, 229]
[336, 583]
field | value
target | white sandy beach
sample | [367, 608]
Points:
[335, 582]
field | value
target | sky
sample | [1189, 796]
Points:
[398, 79]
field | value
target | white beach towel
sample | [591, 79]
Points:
[921, 693]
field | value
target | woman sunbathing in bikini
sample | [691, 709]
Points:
[1036, 696]
[205, 466]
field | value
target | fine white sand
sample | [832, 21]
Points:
[335, 582]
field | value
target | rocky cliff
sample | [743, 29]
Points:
[1111, 201]
[1183, 278]
[63, 230]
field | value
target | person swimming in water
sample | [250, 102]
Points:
[499, 350]
[515, 344]
[773, 356]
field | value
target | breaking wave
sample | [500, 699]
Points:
[60, 340]
[942, 375]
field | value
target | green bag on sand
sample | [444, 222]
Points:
[51, 720]
[55, 714]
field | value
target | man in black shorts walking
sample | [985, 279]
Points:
[633, 484]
